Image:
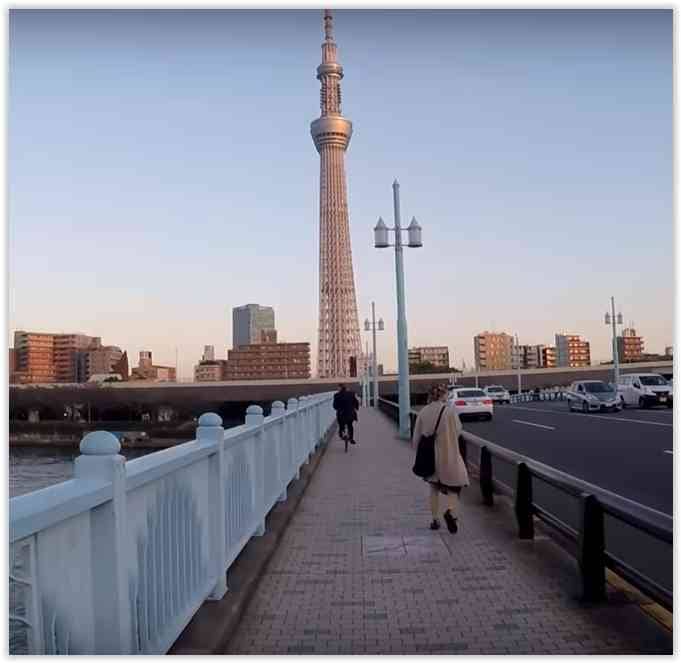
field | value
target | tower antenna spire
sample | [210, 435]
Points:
[328, 25]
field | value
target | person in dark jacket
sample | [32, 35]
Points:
[346, 405]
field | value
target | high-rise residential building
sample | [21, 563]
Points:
[268, 361]
[629, 346]
[436, 355]
[493, 351]
[572, 351]
[148, 371]
[11, 363]
[339, 339]
[548, 354]
[70, 356]
[34, 357]
[252, 323]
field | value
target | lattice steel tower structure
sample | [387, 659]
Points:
[339, 338]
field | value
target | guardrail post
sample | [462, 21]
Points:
[592, 549]
[100, 459]
[292, 406]
[486, 482]
[523, 502]
[278, 410]
[463, 449]
[254, 417]
[210, 433]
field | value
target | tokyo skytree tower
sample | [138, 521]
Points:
[339, 338]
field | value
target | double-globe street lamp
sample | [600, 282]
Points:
[381, 242]
[615, 320]
[372, 326]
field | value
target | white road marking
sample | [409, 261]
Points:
[668, 451]
[615, 418]
[529, 423]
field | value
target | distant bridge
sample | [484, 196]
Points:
[192, 399]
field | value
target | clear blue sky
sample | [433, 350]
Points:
[161, 171]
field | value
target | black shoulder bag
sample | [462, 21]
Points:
[424, 464]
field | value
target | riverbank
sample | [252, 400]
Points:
[66, 441]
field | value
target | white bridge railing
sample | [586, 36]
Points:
[118, 559]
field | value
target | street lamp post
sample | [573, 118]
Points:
[615, 355]
[381, 242]
[373, 326]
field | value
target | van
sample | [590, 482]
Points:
[644, 390]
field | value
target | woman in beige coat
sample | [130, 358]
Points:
[450, 470]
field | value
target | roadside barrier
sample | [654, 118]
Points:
[594, 504]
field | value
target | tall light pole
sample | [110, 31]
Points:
[373, 327]
[381, 242]
[615, 355]
[517, 358]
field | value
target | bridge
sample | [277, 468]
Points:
[269, 538]
[187, 400]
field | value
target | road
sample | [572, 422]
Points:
[627, 452]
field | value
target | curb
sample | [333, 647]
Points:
[213, 625]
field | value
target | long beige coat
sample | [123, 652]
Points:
[450, 469]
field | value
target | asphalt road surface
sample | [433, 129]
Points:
[627, 452]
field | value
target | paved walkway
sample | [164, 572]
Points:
[359, 572]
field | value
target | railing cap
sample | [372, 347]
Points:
[100, 443]
[210, 419]
[254, 409]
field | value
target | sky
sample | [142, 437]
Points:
[161, 172]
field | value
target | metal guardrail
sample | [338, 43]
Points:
[595, 503]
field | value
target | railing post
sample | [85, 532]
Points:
[255, 418]
[278, 410]
[210, 433]
[294, 433]
[592, 548]
[112, 620]
[523, 502]
[486, 482]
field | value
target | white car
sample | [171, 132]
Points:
[644, 390]
[592, 396]
[497, 393]
[471, 402]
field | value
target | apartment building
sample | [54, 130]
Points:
[210, 370]
[34, 355]
[572, 351]
[629, 346]
[436, 355]
[267, 361]
[548, 354]
[102, 360]
[493, 351]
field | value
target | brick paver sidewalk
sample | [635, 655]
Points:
[359, 572]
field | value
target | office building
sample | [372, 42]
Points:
[102, 360]
[629, 346]
[208, 353]
[150, 372]
[251, 324]
[493, 351]
[268, 361]
[572, 351]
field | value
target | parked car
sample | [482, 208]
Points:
[497, 393]
[470, 402]
[592, 396]
[644, 390]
